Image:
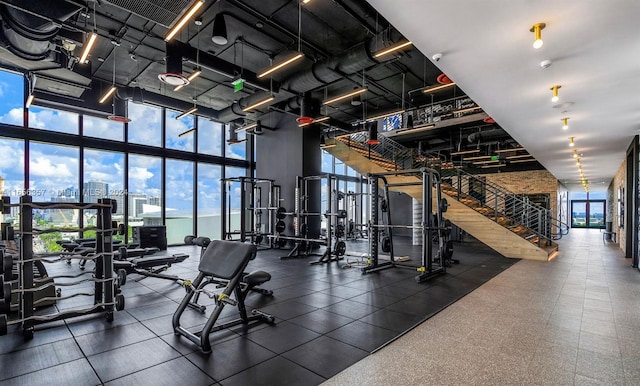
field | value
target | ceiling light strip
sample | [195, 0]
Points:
[345, 96]
[437, 88]
[417, 128]
[185, 113]
[183, 20]
[88, 47]
[281, 65]
[493, 166]
[523, 160]
[518, 156]
[245, 128]
[375, 118]
[259, 103]
[30, 99]
[486, 162]
[462, 152]
[314, 121]
[106, 95]
[191, 130]
[478, 157]
[509, 150]
[391, 49]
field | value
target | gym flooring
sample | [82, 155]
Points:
[327, 318]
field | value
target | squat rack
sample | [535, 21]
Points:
[429, 178]
[251, 227]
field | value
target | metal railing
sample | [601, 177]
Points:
[514, 211]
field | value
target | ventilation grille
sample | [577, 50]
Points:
[163, 12]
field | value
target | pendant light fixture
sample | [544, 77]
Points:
[537, 31]
[565, 124]
[183, 20]
[219, 35]
[555, 89]
[292, 59]
[90, 41]
[196, 71]
[113, 87]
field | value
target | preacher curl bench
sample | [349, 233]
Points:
[224, 260]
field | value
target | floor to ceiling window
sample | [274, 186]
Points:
[146, 124]
[54, 176]
[209, 190]
[179, 200]
[146, 193]
[102, 128]
[103, 178]
[11, 98]
[145, 190]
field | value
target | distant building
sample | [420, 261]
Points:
[94, 190]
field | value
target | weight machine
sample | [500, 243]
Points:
[106, 295]
[252, 226]
[434, 235]
[335, 247]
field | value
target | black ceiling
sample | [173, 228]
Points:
[338, 39]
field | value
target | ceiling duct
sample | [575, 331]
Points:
[323, 72]
[139, 95]
[29, 36]
[487, 134]
[173, 75]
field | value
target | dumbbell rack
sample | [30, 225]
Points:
[106, 294]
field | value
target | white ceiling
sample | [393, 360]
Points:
[487, 49]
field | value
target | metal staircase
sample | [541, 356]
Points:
[487, 211]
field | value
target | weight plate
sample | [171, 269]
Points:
[386, 244]
[282, 243]
[114, 206]
[3, 325]
[7, 265]
[119, 302]
[280, 226]
[280, 213]
[189, 239]
[341, 248]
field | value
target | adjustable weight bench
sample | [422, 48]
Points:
[224, 260]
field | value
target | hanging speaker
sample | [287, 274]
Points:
[410, 121]
[258, 129]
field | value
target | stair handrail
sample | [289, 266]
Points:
[545, 226]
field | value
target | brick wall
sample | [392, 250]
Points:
[529, 182]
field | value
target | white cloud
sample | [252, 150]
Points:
[13, 117]
[42, 166]
[138, 173]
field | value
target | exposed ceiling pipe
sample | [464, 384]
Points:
[138, 95]
[321, 73]
[29, 36]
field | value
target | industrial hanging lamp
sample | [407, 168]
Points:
[565, 124]
[219, 35]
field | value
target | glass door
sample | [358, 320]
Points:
[596, 214]
[588, 214]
